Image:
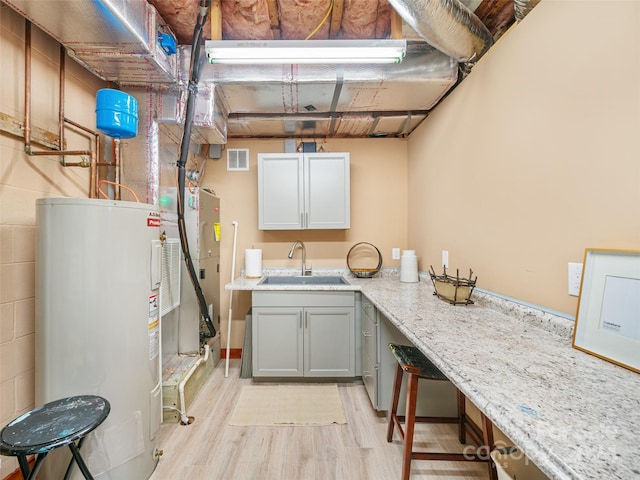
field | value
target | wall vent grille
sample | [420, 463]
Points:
[237, 159]
[170, 290]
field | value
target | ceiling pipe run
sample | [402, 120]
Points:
[88, 158]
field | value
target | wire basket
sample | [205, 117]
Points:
[454, 290]
[363, 272]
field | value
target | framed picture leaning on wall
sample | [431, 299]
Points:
[608, 315]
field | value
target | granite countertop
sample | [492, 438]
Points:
[575, 415]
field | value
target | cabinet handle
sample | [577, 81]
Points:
[366, 374]
[367, 334]
[307, 220]
[300, 320]
[301, 220]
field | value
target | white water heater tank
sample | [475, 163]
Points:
[98, 271]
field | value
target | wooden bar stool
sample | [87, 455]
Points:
[413, 362]
[54, 424]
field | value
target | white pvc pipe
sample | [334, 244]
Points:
[233, 269]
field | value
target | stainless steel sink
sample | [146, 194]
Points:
[299, 280]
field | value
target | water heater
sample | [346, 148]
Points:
[98, 272]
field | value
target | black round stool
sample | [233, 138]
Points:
[413, 362]
[52, 425]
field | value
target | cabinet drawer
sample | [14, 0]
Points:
[368, 309]
[369, 339]
[370, 379]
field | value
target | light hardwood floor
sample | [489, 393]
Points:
[210, 449]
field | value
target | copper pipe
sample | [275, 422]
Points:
[93, 177]
[133, 194]
[115, 144]
[27, 86]
[61, 120]
[93, 172]
[42, 153]
[78, 164]
[61, 80]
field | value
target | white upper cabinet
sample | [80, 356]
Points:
[298, 191]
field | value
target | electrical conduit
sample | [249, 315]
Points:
[192, 90]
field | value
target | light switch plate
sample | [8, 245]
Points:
[395, 254]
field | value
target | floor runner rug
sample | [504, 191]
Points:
[288, 405]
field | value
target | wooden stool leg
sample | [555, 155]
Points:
[397, 384]
[487, 440]
[409, 424]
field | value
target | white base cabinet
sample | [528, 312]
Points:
[303, 334]
[277, 341]
[303, 191]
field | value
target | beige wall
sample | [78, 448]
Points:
[23, 179]
[528, 162]
[534, 157]
[378, 214]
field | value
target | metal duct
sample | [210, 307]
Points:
[343, 125]
[522, 8]
[345, 100]
[141, 154]
[117, 40]
[447, 25]
[209, 120]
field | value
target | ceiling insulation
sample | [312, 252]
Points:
[117, 40]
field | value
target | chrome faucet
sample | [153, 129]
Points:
[305, 272]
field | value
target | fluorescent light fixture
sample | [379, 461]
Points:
[256, 52]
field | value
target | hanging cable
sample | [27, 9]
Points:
[192, 91]
[322, 22]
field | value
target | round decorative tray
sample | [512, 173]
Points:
[359, 250]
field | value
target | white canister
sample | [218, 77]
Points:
[409, 266]
[253, 263]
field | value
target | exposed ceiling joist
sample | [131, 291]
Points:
[336, 18]
[215, 15]
[274, 18]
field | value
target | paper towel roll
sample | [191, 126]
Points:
[252, 263]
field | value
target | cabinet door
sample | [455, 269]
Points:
[327, 191]
[280, 191]
[277, 342]
[369, 350]
[329, 346]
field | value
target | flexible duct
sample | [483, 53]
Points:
[448, 26]
[521, 8]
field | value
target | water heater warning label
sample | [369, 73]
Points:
[154, 326]
[153, 219]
